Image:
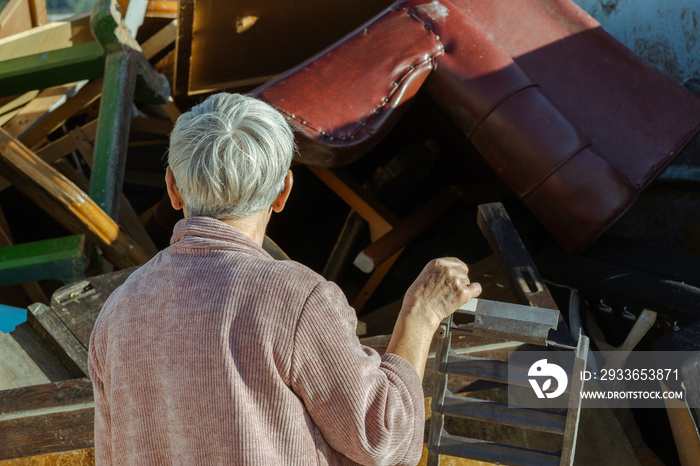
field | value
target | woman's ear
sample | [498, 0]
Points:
[282, 197]
[173, 193]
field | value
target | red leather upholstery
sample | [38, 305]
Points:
[574, 122]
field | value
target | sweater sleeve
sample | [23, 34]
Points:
[103, 447]
[369, 408]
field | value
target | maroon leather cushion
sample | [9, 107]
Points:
[572, 120]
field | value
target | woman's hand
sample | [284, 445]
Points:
[441, 288]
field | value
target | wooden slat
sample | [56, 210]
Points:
[68, 429]
[32, 289]
[78, 304]
[17, 369]
[44, 396]
[161, 9]
[38, 12]
[15, 17]
[17, 101]
[172, 110]
[524, 278]
[55, 333]
[66, 144]
[183, 48]
[357, 198]
[51, 36]
[128, 219]
[64, 258]
[54, 119]
[37, 109]
[81, 457]
[160, 40]
[61, 199]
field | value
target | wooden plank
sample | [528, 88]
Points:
[56, 118]
[45, 396]
[344, 245]
[55, 333]
[17, 369]
[61, 147]
[81, 457]
[18, 101]
[49, 37]
[183, 48]
[66, 144]
[373, 282]
[114, 123]
[172, 110]
[38, 12]
[42, 70]
[128, 219]
[38, 109]
[67, 428]
[358, 198]
[403, 232]
[78, 304]
[271, 46]
[62, 259]
[32, 289]
[42, 355]
[162, 9]
[61, 199]
[15, 17]
[161, 39]
[274, 250]
[8, 116]
[678, 300]
[524, 278]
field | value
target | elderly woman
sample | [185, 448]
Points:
[215, 353]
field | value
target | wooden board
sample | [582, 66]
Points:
[78, 304]
[46, 418]
[211, 51]
[15, 17]
[65, 202]
[51, 36]
[17, 369]
[72, 352]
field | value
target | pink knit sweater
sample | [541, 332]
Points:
[214, 353]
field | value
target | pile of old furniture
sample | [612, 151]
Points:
[419, 125]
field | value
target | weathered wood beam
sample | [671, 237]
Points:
[63, 259]
[58, 337]
[56, 118]
[42, 70]
[38, 109]
[183, 48]
[160, 40]
[16, 367]
[62, 200]
[46, 38]
[524, 278]
[46, 418]
[114, 123]
[358, 198]
[15, 17]
[128, 219]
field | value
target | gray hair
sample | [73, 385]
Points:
[229, 156]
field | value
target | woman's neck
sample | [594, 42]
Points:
[253, 225]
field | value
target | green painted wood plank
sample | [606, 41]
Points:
[62, 259]
[42, 70]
